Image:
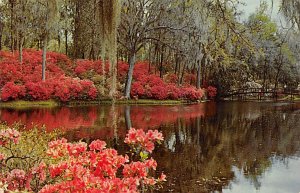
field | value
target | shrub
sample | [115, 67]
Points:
[62, 85]
[171, 78]
[39, 90]
[159, 92]
[173, 92]
[211, 91]
[192, 93]
[12, 91]
[23, 157]
[79, 167]
[137, 89]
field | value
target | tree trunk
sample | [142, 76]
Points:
[129, 75]
[155, 57]
[264, 75]
[1, 30]
[198, 84]
[44, 59]
[182, 74]
[77, 30]
[92, 52]
[279, 63]
[176, 64]
[12, 26]
[204, 71]
[21, 49]
[161, 62]
[66, 41]
[113, 89]
[58, 42]
[200, 67]
[149, 59]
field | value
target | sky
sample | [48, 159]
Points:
[252, 5]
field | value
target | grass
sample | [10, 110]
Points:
[282, 98]
[20, 104]
[137, 102]
[297, 98]
[286, 98]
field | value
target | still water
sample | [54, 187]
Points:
[234, 147]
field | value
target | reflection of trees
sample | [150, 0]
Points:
[199, 153]
[104, 121]
[127, 117]
[203, 143]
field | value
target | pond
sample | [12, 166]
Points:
[209, 147]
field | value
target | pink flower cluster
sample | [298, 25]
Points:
[89, 168]
[23, 80]
[9, 135]
[211, 91]
[142, 140]
[152, 86]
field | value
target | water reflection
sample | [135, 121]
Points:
[104, 122]
[206, 153]
[226, 147]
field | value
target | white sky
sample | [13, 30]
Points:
[252, 5]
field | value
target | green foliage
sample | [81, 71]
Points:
[261, 25]
[20, 104]
[31, 148]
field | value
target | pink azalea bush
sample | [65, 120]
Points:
[85, 79]
[211, 92]
[22, 81]
[79, 167]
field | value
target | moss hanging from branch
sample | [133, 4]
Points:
[109, 13]
[291, 10]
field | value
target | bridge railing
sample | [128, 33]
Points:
[260, 93]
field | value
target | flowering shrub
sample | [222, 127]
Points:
[190, 79]
[67, 80]
[154, 87]
[12, 91]
[137, 89]
[192, 93]
[21, 158]
[141, 141]
[9, 135]
[171, 78]
[23, 81]
[159, 92]
[39, 90]
[79, 167]
[174, 92]
[211, 91]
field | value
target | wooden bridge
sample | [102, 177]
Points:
[260, 94]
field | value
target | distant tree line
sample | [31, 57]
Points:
[205, 39]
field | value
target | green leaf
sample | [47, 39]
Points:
[144, 155]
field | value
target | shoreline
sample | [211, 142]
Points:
[20, 104]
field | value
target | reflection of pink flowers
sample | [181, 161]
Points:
[142, 139]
